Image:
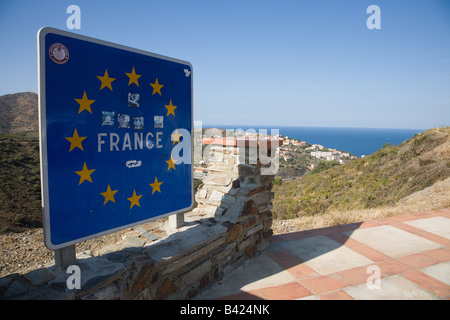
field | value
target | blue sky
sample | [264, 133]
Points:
[278, 63]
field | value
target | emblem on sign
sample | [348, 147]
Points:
[58, 53]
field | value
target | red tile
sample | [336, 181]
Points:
[287, 291]
[408, 217]
[436, 287]
[292, 264]
[284, 258]
[250, 295]
[339, 237]
[351, 243]
[336, 295]
[422, 233]
[370, 253]
[442, 254]
[388, 221]
[302, 271]
[435, 238]
[418, 260]
[392, 267]
[322, 284]
[367, 224]
[356, 275]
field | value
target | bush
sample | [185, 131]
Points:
[277, 181]
[324, 165]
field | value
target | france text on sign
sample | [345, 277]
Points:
[110, 119]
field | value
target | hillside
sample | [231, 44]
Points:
[19, 113]
[381, 179]
[20, 192]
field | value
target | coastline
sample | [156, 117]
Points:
[357, 141]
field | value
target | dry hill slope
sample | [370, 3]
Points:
[20, 192]
[19, 113]
[379, 180]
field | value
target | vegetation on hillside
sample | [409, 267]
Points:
[20, 190]
[382, 178]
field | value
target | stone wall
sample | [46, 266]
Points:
[232, 223]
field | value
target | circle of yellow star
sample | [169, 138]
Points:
[134, 199]
[109, 195]
[75, 141]
[171, 163]
[156, 185]
[133, 77]
[85, 103]
[85, 174]
[106, 81]
[156, 87]
[171, 108]
[175, 137]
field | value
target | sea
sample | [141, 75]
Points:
[358, 141]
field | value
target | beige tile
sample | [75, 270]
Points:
[392, 241]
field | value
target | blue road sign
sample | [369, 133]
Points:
[111, 119]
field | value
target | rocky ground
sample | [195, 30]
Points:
[25, 251]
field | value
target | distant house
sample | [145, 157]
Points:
[321, 154]
[312, 166]
[298, 143]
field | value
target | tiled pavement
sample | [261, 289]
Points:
[403, 257]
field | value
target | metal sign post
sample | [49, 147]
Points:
[115, 137]
[65, 257]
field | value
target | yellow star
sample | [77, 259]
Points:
[176, 137]
[133, 77]
[109, 195]
[134, 199]
[171, 108]
[85, 174]
[156, 87]
[106, 80]
[171, 163]
[156, 185]
[85, 103]
[75, 141]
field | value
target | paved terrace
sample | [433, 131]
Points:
[410, 253]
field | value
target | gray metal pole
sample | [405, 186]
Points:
[176, 221]
[65, 257]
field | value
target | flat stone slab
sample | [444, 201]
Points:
[391, 288]
[393, 242]
[440, 271]
[325, 255]
[436, 225]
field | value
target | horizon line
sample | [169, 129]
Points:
[271, 126]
